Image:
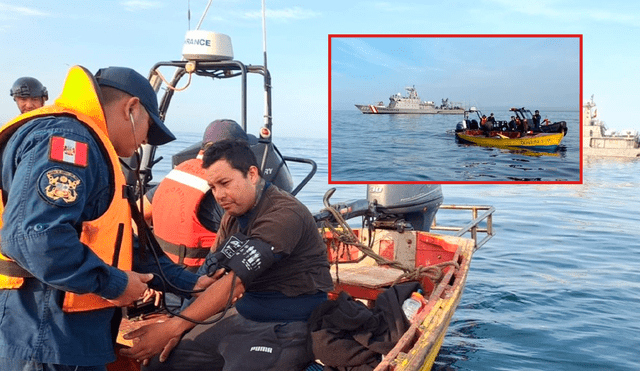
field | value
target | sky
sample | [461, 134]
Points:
[45, 38]
[488, 71]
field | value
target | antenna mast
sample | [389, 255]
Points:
[267, 77]
[204, 14]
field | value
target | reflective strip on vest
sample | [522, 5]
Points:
[189, 180]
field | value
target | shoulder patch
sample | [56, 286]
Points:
[60, 187]
[68, 151]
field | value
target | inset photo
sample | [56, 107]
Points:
[455, 109]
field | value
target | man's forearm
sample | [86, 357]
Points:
[211, 301]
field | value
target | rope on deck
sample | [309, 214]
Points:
[346, 236]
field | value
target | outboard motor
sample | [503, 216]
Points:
[274, 168]
[467, 125]
[186, 154]
[405, 206]
[562, 127]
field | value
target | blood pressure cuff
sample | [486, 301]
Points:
[247, 257]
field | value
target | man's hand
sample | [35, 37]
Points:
[161, 338]
[156, 338]
[136, 287]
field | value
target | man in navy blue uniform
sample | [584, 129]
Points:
[67, 246]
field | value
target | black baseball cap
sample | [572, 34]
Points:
[134, 84]
[223, 129]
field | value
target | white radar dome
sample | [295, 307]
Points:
[206, 45]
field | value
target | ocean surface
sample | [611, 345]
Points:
[556, 288]
[378, 148]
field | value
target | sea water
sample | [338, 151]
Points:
[556, 288]
[377, 148]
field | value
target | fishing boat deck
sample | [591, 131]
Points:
[363, 282]
[364, 279]
[370, 277]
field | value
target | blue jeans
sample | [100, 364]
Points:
[7, 364]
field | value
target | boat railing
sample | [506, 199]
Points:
[481, 223]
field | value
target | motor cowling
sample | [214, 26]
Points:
[415, 205]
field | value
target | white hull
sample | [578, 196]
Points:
[597, 143]
[372, 109]
[410, 104]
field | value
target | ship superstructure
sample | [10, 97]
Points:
[597, 140]
[411, 103]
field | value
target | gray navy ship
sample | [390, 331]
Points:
[411, 104]
[597, 141]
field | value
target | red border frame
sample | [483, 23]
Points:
[580, 38]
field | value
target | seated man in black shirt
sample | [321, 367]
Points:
[184, 191]
[183, 211]
[269, 244]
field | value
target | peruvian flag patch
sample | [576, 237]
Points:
[68, 151]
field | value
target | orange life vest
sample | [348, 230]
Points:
[175, 214]
[110, 235]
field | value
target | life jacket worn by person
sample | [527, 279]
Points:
[175, 214]
[110, 235]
